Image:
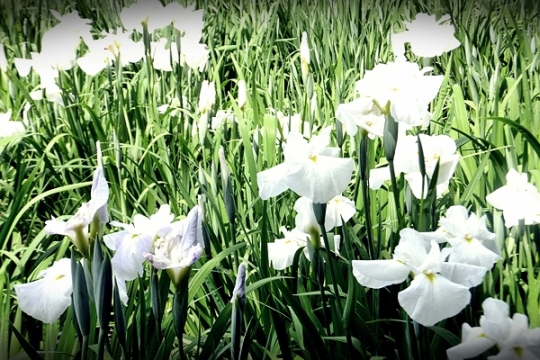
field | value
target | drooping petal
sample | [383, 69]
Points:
[129, 257]
[272, 181]
[321, 178]
[305, 220]
[377, 176]
[464, 274]
[431, 298]
[376, 274]
[337, 208]
[474, 342]
[496, 322]
[58, 227]
[472, 252]
[114, 239]
[281, 253]
[99, 196]
[412, 248]
[46, 299]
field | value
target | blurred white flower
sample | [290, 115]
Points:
[437, 148]
[104, 51]
[3, 60]
[8, 127]
[135, 240]
[76, 228]
[66, 36]
[186, 20]
[193, 54]
[310, 169]
[472, 243]
[512, 336]
[149, 11]
[221, 117]
[177, 248]
[47, 298]
[174, 104]
[241, 93]
[47, 64]
[162, 54]
[291, 122]
[439, 289]
[405, 87]
[428, 37]
[281, 251]
[53, 93]
[361, 113]
[337, 208]
[207, 96]
[518, 199]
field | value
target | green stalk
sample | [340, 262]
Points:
[390, 139]
[180, 307]
[84, 348]
[364, 178]
[350, 301]
[320, 214]
[102, 341]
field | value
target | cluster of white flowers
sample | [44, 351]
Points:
[511, 335]
[115, 44]
[518, 199]
[47, 299]
[439, 149]
[281, 251]
[400, 88]
[166, 244]
[441, 278]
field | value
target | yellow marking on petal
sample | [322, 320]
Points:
[58, 277]
[313, 158]
[430, 275]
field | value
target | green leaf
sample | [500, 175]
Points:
[30, 351]
[103, 293]
[215, 337]
[81, 300]
[531, 139]
[451, 338]
[197, 280]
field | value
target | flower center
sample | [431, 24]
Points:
[429, 274]
[519, 351]
[468, 238]
[313, 158]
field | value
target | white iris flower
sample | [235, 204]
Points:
[310, 169]
[438, 290]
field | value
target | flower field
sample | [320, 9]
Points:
[269, 179]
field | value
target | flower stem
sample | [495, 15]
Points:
[180, 306]
[364, 177]
[84, 348]
[101, 343]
